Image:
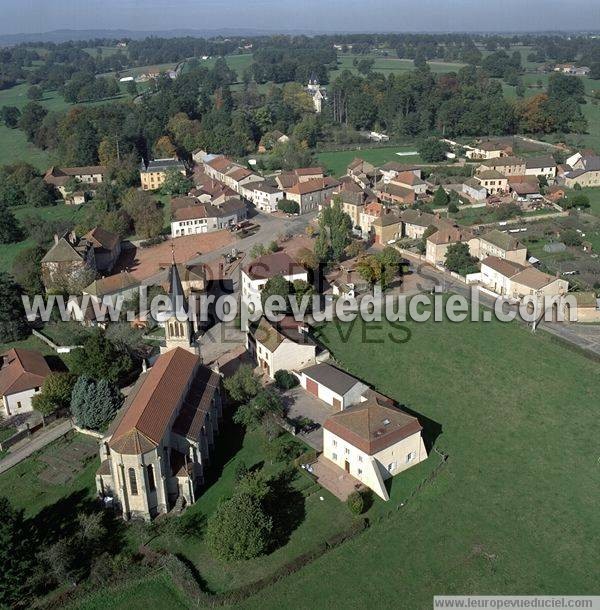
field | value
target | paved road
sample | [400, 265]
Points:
[38, 441]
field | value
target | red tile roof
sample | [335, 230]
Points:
[269, 265]
[22, 369]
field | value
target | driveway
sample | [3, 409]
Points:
[302, 404]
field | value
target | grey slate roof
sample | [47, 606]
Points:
[336, 380]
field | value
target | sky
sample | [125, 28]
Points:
[29, 16]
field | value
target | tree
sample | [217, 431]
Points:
[440, 199]
[239, 528]
[252, 414]
[55, 393]
[570, 237]
[432, 150]
[10, 229]
[285, 380]
[452, 207]
[176, 183]
[276, 285]
[37, 193]
[35, 93]
[322, 249]
[26, 269]
[13, 324]
[99, 358]
[16, 556]
[10, 116]
[31, 119]
[94, 403]
[336, 226]
[288, 206]
[257, 251]
[355, 503]
[242, 385]
[459, 259]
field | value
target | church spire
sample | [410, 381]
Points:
[178, 300]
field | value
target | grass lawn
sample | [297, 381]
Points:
[337, 161]
[28, 486]
[30, 342]
[474, 216]
[59, 211]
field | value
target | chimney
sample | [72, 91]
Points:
[56, 238]
[144, 365]
[72, 237]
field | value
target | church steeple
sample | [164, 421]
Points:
[179, 328]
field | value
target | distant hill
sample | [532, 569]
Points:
[66, 35]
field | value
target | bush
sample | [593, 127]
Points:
[285, 380]
[355, 503]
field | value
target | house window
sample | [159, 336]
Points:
[151, 483]
[391, 467]
[359, 471]
[133, 482]
[334, 456]
[360, 458]
[334, 443]
[410, 457]
[347, 451]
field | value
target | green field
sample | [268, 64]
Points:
[56, 212]
[390, 65]
[337, 161]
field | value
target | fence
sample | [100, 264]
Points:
[28, 430]
[59, 349]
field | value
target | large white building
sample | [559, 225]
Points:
[256, 274]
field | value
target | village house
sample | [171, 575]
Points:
[525, 189]
[22, 373]
[362, 172]
[286, 180]
[270, 139]
[107, 248]
[514, 280]
[488, 149]
[154, 173]
[584, 171]
[474, 189]
[89, 176]
[392, 168]
[410, 181]
[389, 192]
[499, 245]
[283, 345]
[192, 217]
[310, 195]
[70, 259]
[373, 440]
[507, 166]
[121, 284]
[387, 228]
[572, 69]
[265, 196]
[368, 215]
[493, 181]
[416, 222]
[255, 275]
[446, 235]
[541, 166]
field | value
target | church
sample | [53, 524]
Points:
[154, 453]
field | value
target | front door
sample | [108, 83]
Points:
[337, 404]
[347, 466]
